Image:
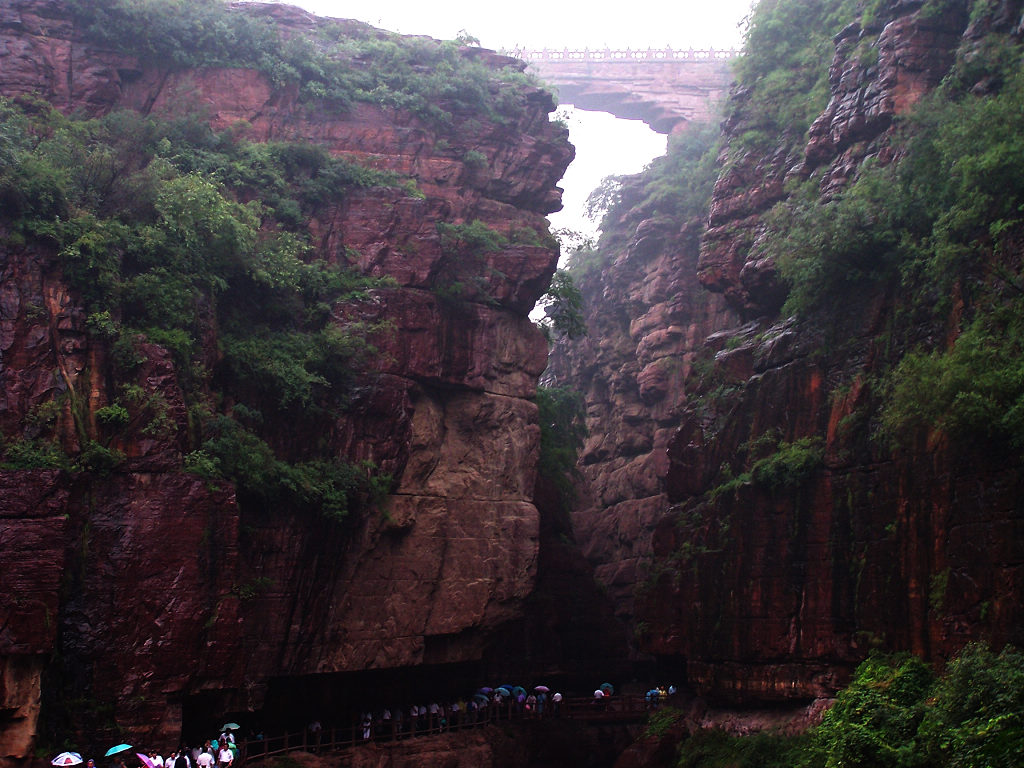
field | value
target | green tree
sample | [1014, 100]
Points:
[562, 418]
[563, 308]
[874, 721]
[976, 719]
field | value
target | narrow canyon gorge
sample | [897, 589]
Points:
[273, 410]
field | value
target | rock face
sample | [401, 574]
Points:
[646, 319]
[151, 585]
[757, 594]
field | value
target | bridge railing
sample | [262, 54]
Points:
[611, 709]
[615, 55]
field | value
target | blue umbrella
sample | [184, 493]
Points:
[118, 748]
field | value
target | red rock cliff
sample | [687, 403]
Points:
[140, 580]
[756, 594]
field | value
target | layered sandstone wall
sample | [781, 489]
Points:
[146, 585]
[646, 320]
[760, 594]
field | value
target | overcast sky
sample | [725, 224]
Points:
[554, 23]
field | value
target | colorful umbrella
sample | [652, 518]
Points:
[607, 688]
[67, 758]
[145, 760]
[118, 748]
[541, 688]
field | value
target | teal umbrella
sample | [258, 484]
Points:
[118, 748]
[230, 727]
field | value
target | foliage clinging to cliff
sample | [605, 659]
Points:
[148, 223]
[897, 713]
[784, 68]
[677, 184]
[562, 431]
[941, 225]
[331, 62]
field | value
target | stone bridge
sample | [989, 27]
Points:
[665, 88]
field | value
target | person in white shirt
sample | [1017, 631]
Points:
[205, 760]
[225, 757]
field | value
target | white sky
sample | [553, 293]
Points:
[554, 23]
[604, 146]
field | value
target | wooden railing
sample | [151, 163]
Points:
[611, 709]
[607, 54]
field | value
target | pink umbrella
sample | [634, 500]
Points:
[145, 760]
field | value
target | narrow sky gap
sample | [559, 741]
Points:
[605, 146]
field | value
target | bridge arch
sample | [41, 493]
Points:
[665, 88]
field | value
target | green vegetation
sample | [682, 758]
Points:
[971, 391]
[562, 430]
[166, 228]
[174, 235]
[896, 713]
[717, 749]
[929, 220]
[334, 65]
[790, 465]
[824, 249]
[784, 67]
[29, 453]
[677, 184]
[563, 308]
[786, 465]
[935, 227]
[876, 719]
[465, 248]
[660, 722]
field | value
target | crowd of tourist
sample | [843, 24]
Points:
[220, 752]
[485, 705]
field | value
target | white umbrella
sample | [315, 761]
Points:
[67, 758]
